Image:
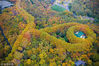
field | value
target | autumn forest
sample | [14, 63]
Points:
[49, 33]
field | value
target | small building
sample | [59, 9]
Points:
[80, 63]
[80, 34]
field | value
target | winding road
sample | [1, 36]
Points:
[2, 33]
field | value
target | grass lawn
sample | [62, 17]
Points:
[58, 8]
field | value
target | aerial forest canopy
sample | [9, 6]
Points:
[49, 33]
[85, 7]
